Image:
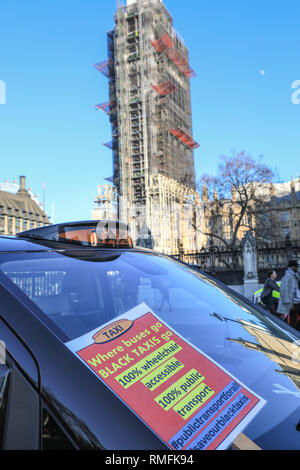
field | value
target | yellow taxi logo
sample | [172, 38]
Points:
[112, 331]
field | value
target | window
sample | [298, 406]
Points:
[284, 217]
[20, 418]
[53, 438]
[228, 235]
[286, 233]
[1, 224]
[4, 381]
[10, 225]
[18, 225]
[77, 292]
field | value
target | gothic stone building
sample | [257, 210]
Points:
[280, 215]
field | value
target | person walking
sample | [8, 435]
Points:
[165, 294]
[295, 313]
[267, 297]
[288, 290]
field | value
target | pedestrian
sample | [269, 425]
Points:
[267, 297]
[288, 290]
[165, 294]
[295, 313]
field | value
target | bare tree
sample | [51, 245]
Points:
[236, 200]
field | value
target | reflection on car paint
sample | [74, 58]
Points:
[284, 391]
[278, 350]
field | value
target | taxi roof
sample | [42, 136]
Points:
[13, 244]
[107, 234]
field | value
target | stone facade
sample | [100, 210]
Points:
[285, 210]
[280, 217]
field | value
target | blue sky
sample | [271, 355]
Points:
[50, 131]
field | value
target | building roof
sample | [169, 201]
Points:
[20, 201]
[284, 189]
[288, 197]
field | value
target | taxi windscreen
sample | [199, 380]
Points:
[76, 293]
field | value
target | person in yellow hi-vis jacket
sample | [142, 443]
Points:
[267, 297]
[257, 295]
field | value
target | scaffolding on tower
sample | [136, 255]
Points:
[109, 145]
[185, 138]
[165, 44]
[165, 88]
[103, 67]
[181, 62]
[106, 107]
[149, 104]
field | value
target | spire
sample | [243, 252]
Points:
[233, 195]
[292, 186]
[204, 193]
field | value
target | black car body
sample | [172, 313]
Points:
[50, 399]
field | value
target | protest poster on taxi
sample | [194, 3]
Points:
[188, 400]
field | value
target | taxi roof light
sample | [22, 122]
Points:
[95, 233]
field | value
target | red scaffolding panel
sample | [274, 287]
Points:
[181, 62]
[165, 42]
[165, 88]
[109, 145]
[103, 67]
[106, 107]
[185, 138]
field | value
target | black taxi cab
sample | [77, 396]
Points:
[104, 345]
